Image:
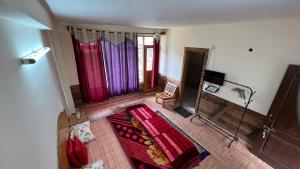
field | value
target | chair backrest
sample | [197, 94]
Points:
[170, 89]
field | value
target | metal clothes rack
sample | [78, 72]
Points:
[232, 137]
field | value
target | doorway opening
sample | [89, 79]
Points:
[194, 65]
[145, 59]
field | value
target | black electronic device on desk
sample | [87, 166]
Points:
[215, 80]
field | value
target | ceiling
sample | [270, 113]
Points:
[168, 13]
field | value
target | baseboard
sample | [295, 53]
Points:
[228, 114]
[78, 101]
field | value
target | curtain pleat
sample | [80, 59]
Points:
[120, 55]
[107, 63]
[91, 73]
[155, 63]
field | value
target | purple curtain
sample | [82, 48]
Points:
[121, 62]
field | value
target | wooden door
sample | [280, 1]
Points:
[279, 144]
[148, 61]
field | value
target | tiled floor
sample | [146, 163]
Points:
[106, 147]
[110, 151]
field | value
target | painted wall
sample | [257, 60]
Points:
[163, 53]
[33, 9]
[62, 70]
[35, 14]
[276, 44]
[67, 47]
[31, 99]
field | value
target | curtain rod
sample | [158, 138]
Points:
[73, 27]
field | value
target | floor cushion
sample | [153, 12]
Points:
[74, 162]
[80, 151]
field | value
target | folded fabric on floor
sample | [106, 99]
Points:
[151, 142]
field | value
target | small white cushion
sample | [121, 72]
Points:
[96, 165]
[83, 132]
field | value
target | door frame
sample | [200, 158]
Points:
[143, 84]
[184, 73]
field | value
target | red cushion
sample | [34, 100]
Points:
[80, 151]
[71, 154]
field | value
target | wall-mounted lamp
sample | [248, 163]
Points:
[34, 56]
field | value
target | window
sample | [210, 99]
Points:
[148, 41]
[149, 55]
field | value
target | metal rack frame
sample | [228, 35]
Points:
[229, 135]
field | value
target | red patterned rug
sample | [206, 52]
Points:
[150, 140]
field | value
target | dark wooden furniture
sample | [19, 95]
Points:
[227, 114]
[232, 136]
[279, 143]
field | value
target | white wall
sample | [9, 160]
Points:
[67, 48]
[30, 99]
[33, 9]
[276, 44]
[163, 53]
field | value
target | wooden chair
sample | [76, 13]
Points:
[168, 95]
